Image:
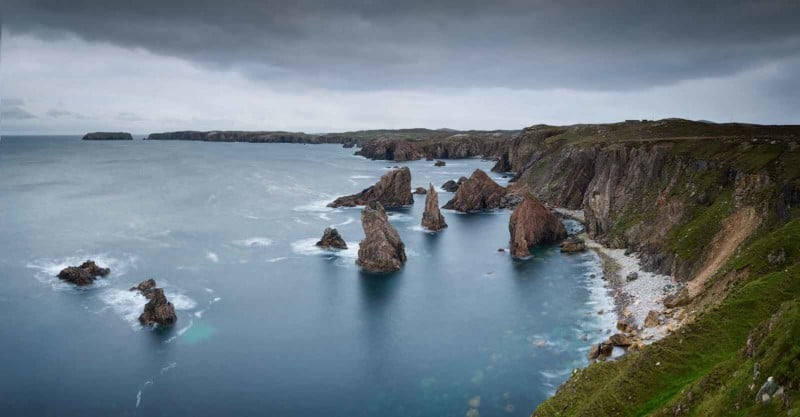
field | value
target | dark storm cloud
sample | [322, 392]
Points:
[360, 44]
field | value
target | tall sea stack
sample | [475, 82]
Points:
[432, 218]
[381, 250]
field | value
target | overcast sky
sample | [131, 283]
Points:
[155, 65]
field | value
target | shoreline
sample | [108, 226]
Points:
[633, 300]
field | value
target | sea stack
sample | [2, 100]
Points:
[158, 309]
[533, 223]
[476, 194]
[381, 250]
[392, 190]
[331, 239]
[84, 274]
[107, 136]
[432, 218]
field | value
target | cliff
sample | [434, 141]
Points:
[107, 136]
[440, 146]
[392, 190]
[713, 205]
[531, 224]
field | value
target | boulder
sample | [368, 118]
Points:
[633, 276]
[145, 286]
[392, 190]
[600, 351]
[476, 194]
[331, 239]
[432, 218]
[439, 163]
[84, 274]
[680, 298]
[652, 318]
[533, 223]
[158, 309]
[620, 339]
[420, 190]
[573, 244]
[381, 250]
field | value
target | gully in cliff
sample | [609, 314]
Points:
[157, 310]
[432, 218]
[533, 223]
[476, 194]
[392, 190]
[381, 250]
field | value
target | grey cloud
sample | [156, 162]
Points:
[11, 109]
[130, 117]
[58, 113]
[417, 44]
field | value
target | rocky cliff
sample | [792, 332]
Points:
[381, 250]
[713, 205]
[477, 193]
[392, 190]
[460, 145]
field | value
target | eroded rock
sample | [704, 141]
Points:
[331, 239]
[84, 274]
[158, 309]
[533, 223]
[381, 250]
[392, 190]
[432, 218]
[476, 194]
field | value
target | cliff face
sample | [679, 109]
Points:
[532, 224]
[712, 205]
[460, 145]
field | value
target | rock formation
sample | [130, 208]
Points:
[533, 223]
[381, 250]
[432, 218]
[107, 136]
[331, 239]
[84, 274]
[420, 190]
[392, 190]
[573, 244]
[451, 185]
[476, 194]
[158, 309]
[348, 145]
[439, 163]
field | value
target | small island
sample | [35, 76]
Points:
[107, 136]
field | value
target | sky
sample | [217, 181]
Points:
[68, 67]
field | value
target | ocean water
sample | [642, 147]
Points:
[267, 323]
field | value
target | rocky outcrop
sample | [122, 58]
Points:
[398, 150]
[420, 190]
[439, 163]
[432, 218]
[107, 136]
[348, 144]
[533, 223]
[84, 274]
[331, 239]
[158, 309]
[476, 194]
[439, 145]
[573, 244]
[382, 250]
[392, 190]
[256, 137]
[452, 186]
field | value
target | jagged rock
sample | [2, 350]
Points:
[439, 163]
[420, 190]
[510, 200]
[600, 351]
[331, 239]
[158, 310]
[432, 218]
[84, 274]
[381, 250]
[620, 339]
[573, 244]
[652, 319]
[532, 223]
[476, 194]
[633, 276]
[450, 186]
[392, 190]
[145, 286]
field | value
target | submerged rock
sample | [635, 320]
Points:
[158, 309]
[84, 274]
[432, 218]
[392, 190]
[331, 239]
[573, 244]
[381, 250]
[533, 223]
[439, 163]
[476, 194]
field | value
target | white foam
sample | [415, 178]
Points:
[180, 332]
[362, 177]
[127, 304]
[168, 367]
[213, 257]
[309, 247]
[324, 216]
[180, 301]
[400, 217]
[278, 259]
[254, 242]
[346, 222]
[315, 206]
[47, 269]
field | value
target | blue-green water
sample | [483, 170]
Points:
[268, 325]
